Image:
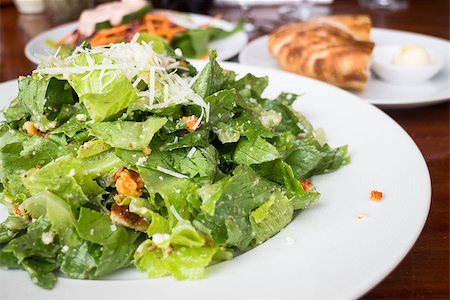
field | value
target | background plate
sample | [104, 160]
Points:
[226, 48]
[379, 92]
[327, 252]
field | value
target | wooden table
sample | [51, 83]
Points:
[424, 273]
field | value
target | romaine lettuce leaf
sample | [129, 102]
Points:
[212, 78]
[255, 152]
[244, 192]
[41, 271]
[280, 172]
[58, 177]
[104, 93]
[33, 242]
[271, 217]
[182, 262]
[57, 212]
[312, 159]
[222, 104]
[34, 151]
[127, 135]
[176, 192]
[117, 242]
[251, 86]
[11, 227]
[177, 140]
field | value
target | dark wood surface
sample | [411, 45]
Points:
[424, 273]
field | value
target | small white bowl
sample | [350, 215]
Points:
[404, 75]
[30, 6]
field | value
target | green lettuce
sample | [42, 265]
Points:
[103, 93]
[127, 135]
[271, 217]
[254, 152]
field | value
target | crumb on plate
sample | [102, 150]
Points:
[376, 195]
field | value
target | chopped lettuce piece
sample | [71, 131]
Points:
[38, 241]
[91, 148]
[179, 195]
[15, 158]
[58, 177]
[255, 152]
[212, 78]
[244, 192]
[312, 159]
[57, 212]
[251, 86]
[182, 262]
[41, 272]
[222, 104]
[11, 227]
[282, 173]
[104, 93]
[128, 135]
[117, 242]
[271, 217]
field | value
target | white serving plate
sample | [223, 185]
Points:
[327, 252]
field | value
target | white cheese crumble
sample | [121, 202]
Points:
[72, 172]
[159, 238]
[289, 240]
[81, 117]
[47, 237]
[270, 119]
[141, 161]
[64, 249]
[178, 52]
[113, 227]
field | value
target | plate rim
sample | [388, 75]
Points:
[383, 103]
[424, 214]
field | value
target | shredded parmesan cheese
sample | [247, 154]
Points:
[191, 152]
[170, 172]
[139, 63]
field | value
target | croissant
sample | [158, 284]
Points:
[333, 49]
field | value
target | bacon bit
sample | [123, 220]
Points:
[120, 215]
[17, 210]
[37, 167]
[128, 182]
[191, 123]
[31, 129]
[306, 185]
[19, 213]
[376, 195]
[147, 151]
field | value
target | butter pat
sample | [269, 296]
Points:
[411, 56]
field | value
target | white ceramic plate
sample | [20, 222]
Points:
[226, 48]
[379, 92]
[326, 252]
